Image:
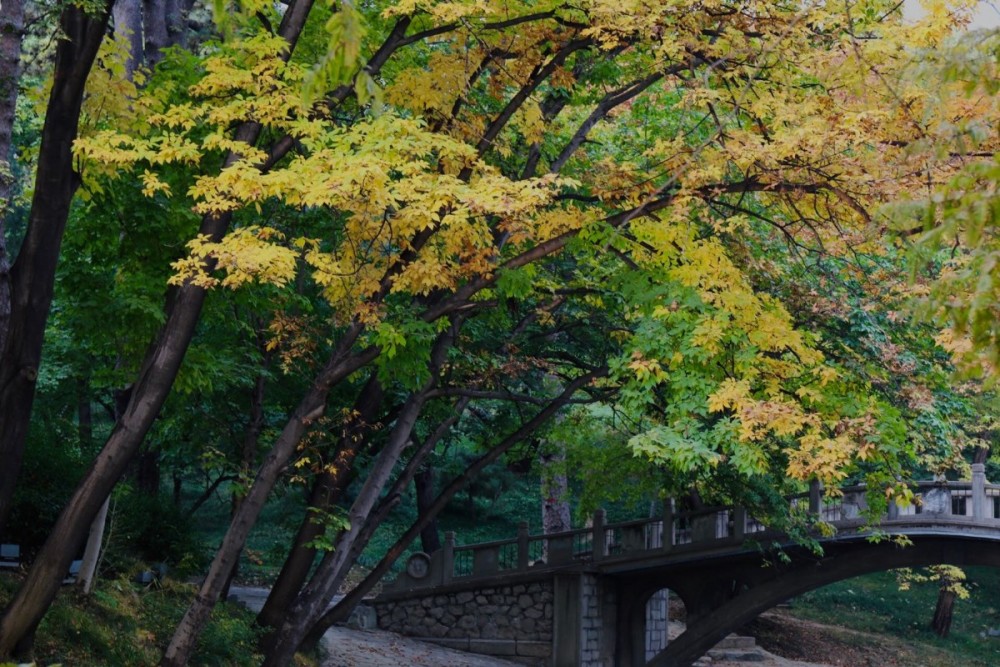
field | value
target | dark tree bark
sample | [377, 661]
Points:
[555, 490]
[251, 440]
[127, 17]
[32, 276]
[155, 23]
[311, 407]
[11, 35]
[941, 623]
[84, 416]
[327, 489]
[314, 597]
[295, 569]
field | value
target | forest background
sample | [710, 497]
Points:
[709, 250]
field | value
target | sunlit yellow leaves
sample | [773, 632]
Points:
[731, 394]
[530, 122]
[709, 333]
[151, 184]
[434, 89]
[245, 255]
[646, 369]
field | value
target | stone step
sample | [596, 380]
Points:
[730, 655]
[736, 642]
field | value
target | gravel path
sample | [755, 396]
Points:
[373, 648]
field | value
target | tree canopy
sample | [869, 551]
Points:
[684, 237]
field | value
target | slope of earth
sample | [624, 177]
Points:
[873, 620]
[800, 639]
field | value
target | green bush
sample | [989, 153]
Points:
[151, 529]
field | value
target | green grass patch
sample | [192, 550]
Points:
[874, 604]
[123, 624]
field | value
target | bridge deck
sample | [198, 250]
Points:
[939, 507]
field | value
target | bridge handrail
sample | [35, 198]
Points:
[689, 530]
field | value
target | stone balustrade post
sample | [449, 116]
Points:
[739, 523]
[522, 545]
[600, 537]
[815, 497]
[448, 557]
[668, 524]
[978, 491]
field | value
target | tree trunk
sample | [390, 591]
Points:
[178, 487]
[127, 16]
[423, 483]
[156, 377]
[941, 624]
[555, 491]
[343, 609]
[147, 472]
[84, 417]
[299, 561]
[32, 276]
[155, 22]
[311, 407]
[328, 487]
[314, 598]
[248, 455]
[11, 35]
[92, 552]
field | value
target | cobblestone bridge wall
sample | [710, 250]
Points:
[513, 621]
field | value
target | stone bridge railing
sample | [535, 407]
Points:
[689, 532]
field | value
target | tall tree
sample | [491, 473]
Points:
[32, 273]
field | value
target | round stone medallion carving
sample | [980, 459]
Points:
[419, 565]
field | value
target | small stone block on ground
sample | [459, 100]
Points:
[534, 649]
[493, 646]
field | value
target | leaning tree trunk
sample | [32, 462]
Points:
[31, 278]
[327, 489]
[248, 455]
[311, 407]
[342, 610]
[314, 598]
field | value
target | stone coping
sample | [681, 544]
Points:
[502, 578]
[497, 647]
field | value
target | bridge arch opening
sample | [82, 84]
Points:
[843, 560]
[665, 618]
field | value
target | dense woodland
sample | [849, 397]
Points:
[363, 252]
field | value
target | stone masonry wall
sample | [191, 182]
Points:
[597, 606]
[513, 621]
[656, 623]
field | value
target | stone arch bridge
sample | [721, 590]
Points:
[591, 601]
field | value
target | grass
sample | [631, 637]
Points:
[874, 604]
[123, 624]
